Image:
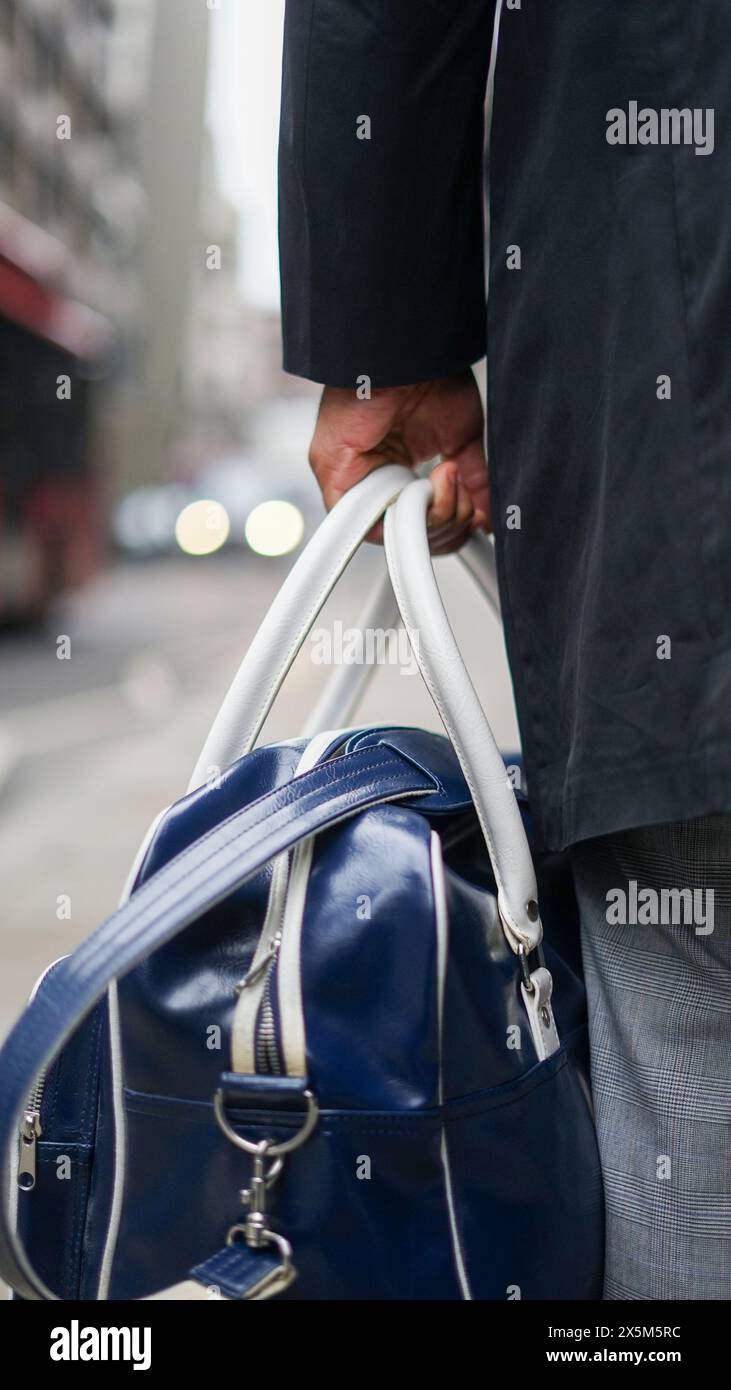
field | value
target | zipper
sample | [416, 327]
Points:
[257, 1044]
[30, 1132]
[31, 1129]
[253, 1023]
[266, 1046]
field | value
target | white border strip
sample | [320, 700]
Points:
[442, 931]
[120, 1142]
[116, 1059]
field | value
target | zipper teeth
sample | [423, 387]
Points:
[35, 1098]
[266, 1050]
[30, 1125]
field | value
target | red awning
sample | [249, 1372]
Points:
[32, 267]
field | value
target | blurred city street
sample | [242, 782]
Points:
[92, 747]
[154, 490]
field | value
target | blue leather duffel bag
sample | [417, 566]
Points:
[321, 1050]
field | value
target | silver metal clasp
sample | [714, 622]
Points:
[254, 1228]
[255, 1231]
[268, 1162]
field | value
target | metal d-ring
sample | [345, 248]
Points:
[272, 1150]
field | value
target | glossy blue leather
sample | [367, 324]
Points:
[518, 1131]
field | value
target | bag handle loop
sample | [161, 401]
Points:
[291, 617]
[294, 612]
[448, 682]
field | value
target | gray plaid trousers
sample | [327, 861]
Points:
[658, 976]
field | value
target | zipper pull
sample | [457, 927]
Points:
[256, 971]
[30, 1133]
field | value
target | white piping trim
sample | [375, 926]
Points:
[250, 996]
[120, 1142]
[289, 974]
[243, 1027]
[284, 913]
[442, 934]
[116, 1059]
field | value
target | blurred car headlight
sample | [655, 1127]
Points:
[274, 528]
[202, 527]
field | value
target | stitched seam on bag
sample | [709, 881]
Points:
[469, 1111]
[333, 1126]
[54, 1094]
[95, 1090]
[172, 1107]
[49, 1149]
[78, 1126]
[300, 799]
[263, 824]
[94, 1059]
[90, 961]
[291, 804]
[72, 1264]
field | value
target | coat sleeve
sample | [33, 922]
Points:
[381, 188]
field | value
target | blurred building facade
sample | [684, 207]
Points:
[66, 164]
[128, 354]
[231, 361]
[71, 203]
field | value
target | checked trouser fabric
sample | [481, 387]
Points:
[659, 998]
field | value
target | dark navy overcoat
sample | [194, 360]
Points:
[607, 337]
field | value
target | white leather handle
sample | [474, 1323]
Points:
[294, 611]
[446, 678]
[347, 684]
[291, 616]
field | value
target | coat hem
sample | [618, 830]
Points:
[682, 789]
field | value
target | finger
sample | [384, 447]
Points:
[442, 510]
[465, 506]
[472, 467]
[450, 496]
[453, 539]
[462, 516]
[335, 480]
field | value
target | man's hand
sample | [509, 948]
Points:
[410, 425]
